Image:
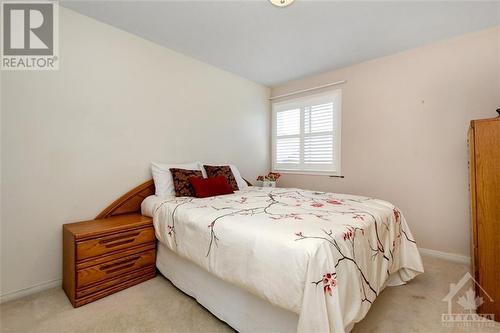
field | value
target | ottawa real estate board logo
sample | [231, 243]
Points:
[30, 35]
[469, 303]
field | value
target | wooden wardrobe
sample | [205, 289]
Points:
[484, 169]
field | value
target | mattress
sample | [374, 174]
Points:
[322, 256]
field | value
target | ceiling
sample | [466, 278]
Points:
[273, 45]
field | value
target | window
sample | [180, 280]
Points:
[306, 134]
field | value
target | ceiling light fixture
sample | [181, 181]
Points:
[281, 3]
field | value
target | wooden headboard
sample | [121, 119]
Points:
[131, 201]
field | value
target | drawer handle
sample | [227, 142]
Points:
[119, 268]
[120, 240]
[118, 243]
[119, 265]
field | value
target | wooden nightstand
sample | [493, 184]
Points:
[101, 257]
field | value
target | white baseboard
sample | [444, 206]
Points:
[30, 290]
[458, 258]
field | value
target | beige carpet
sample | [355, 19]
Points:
[157, 306]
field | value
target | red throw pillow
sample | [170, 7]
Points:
[209, 187]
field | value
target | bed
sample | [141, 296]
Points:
[282, 259]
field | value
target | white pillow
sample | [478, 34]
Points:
[236, 173]
[242, 184]
[164, 184]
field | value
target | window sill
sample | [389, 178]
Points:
[310, 173]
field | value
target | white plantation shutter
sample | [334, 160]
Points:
[288, 136]
[306, 134]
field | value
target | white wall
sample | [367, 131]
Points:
[404, 124]
[74, 140]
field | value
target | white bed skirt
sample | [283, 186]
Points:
[242, 310]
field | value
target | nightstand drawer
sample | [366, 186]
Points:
[111, 283]
[114, 268]
[106, 244]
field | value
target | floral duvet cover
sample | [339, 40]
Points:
[324, 256]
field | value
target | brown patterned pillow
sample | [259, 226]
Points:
[222, 170]
[182, 185]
